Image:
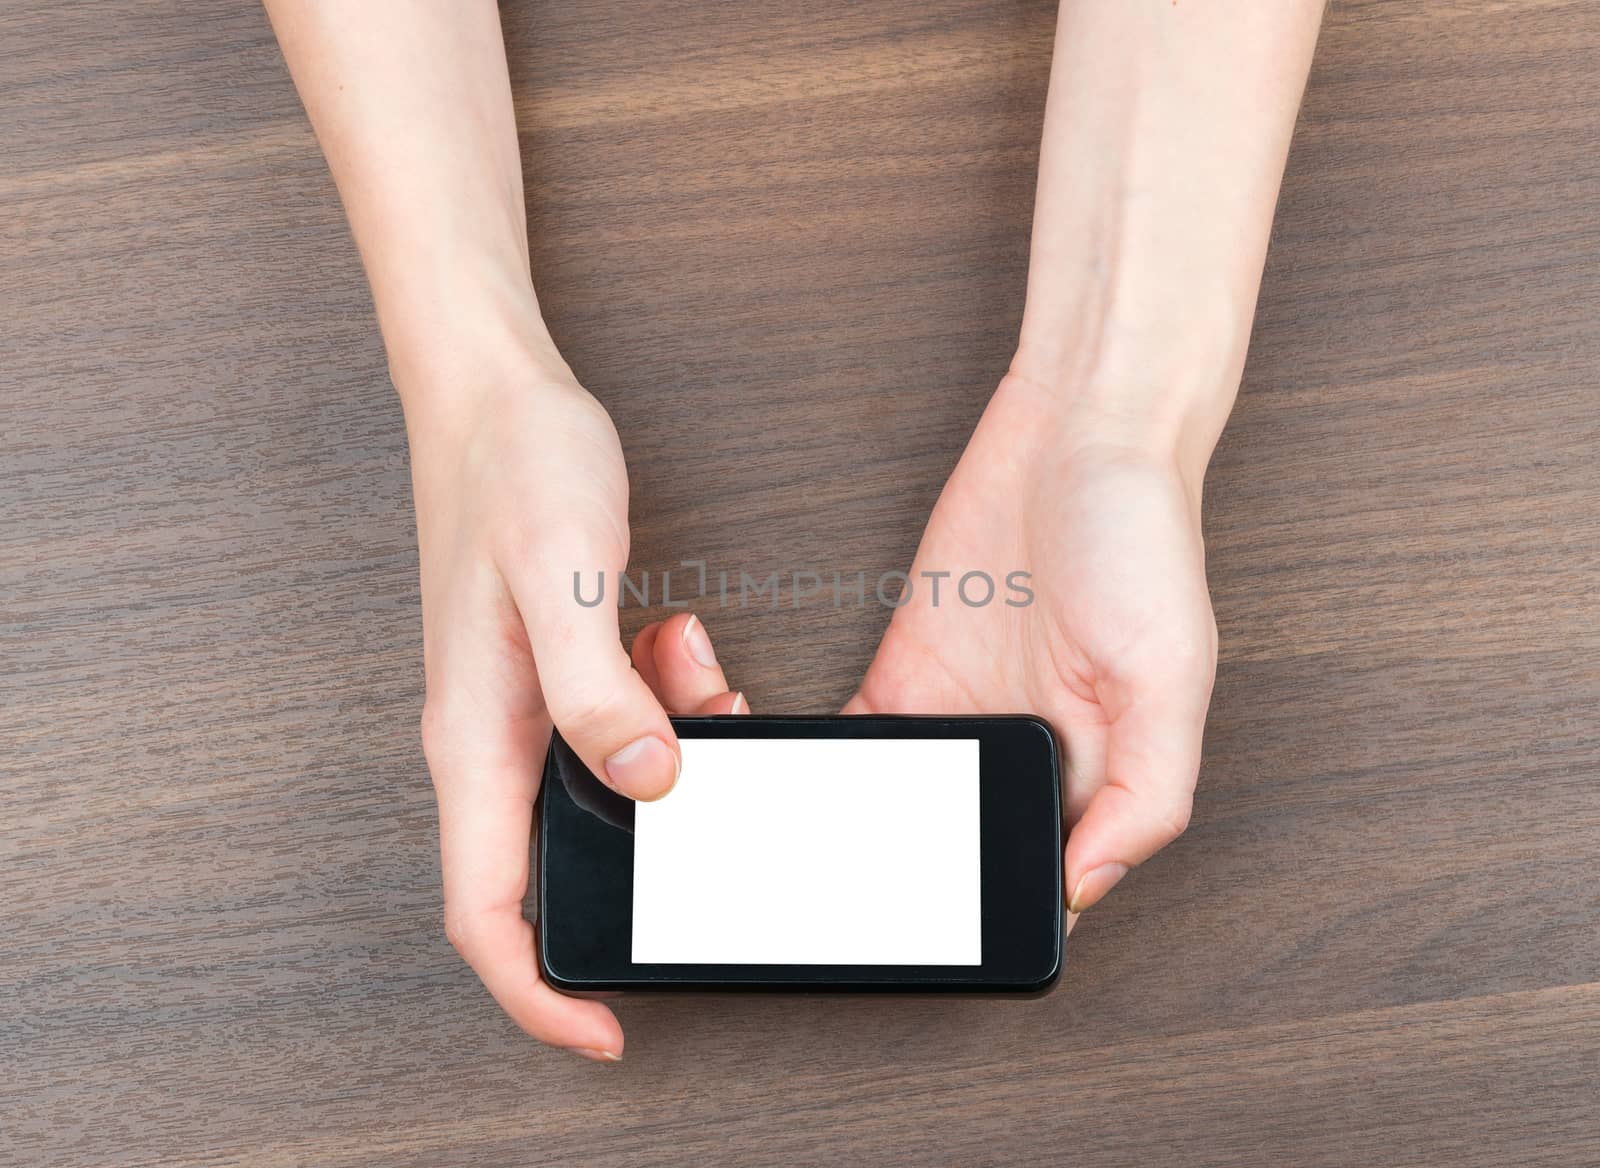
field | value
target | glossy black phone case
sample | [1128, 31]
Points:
[585, 867]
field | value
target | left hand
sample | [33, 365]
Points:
[1117, 649]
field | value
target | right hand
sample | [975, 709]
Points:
[517, 488]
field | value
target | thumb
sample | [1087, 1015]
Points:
[596, 699]
[1152, 762]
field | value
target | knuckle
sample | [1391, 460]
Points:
[1173, 814]
[462, 929]
[583, 710]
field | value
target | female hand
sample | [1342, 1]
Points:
[519, 487]
[1117, 649]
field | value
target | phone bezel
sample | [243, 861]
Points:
[585, 865]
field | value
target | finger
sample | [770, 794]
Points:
[1084, 761]
[725, 703]
[644, 655]
[603, 707]
[1152, 761]
[485, 769]
[686, 665]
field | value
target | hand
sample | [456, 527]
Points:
[516, 490]
[1118, 648]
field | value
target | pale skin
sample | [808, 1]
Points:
[1164, 140]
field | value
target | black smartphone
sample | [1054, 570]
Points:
[861, 853]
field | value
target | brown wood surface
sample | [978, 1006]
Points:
[786, 243]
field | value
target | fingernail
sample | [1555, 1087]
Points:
[1094, 884]
[640, 769]
[1072, 919]
[740, 706]
[694, 636]
[599, 1056]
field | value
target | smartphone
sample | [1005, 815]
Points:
[858, 854]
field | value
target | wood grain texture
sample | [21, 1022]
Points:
[786, 246]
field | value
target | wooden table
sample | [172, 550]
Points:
[788, 251]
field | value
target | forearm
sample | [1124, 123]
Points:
[1166, 131]
[412, 104]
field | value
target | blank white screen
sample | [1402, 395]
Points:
[801, 851]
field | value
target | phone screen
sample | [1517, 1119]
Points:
[810, 851]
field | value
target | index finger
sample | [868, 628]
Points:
[1152, 761]
[486, 791]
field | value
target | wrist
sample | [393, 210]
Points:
[1163, 392]
[451, 359]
